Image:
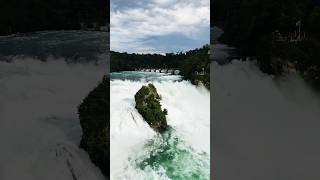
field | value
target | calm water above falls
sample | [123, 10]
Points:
[72, 46]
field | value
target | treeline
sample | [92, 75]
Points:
[249, 25]
[188, 63]
[35, 15]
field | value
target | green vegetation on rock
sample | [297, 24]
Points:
[148, 105]
[94, 114]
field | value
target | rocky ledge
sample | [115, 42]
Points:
[94, 113]
[148, 105]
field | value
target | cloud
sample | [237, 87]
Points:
[139, 27]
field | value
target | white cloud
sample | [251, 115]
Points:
[132, 26]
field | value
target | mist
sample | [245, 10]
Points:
[138, 152]
[263, 127]
[39, 126]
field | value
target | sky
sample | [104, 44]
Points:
[159, 26]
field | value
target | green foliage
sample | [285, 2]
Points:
[197, 62]
[148, 105]
[249, 24]
[188, 63]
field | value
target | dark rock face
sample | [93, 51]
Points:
[94, 113]
[148, 105]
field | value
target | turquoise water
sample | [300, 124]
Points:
[137, 152]
[144, 76]
[174, 155]
[171, 155]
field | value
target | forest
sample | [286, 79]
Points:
[254, 27]
[20, 16]
[188, 63]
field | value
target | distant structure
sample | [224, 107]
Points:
[168, 71]
[201, 73]
[292, 37]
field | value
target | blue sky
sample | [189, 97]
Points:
[159, 26]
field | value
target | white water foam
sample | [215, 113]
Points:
[188, 113]
[264, 127]
[39, 126]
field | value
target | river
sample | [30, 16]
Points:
[44, 76]
[138, 152]
[264, 127]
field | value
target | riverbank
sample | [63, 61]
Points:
[301, 57]
[278, 34]
[277, 58]
[284, 58]
[194, 65]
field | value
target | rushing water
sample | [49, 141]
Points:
[264, 127]
[72, 46]
[42, 82]
[137, 152]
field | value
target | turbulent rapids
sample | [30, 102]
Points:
[39, 126]
[260, 119]
[138, 152]
[41, 86]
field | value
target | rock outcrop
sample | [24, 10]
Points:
[148, 105]
[94, 114]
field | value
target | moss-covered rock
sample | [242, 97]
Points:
[148, 105]
[94, 113]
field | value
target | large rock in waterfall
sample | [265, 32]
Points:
[148, 105]
[94, 114]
